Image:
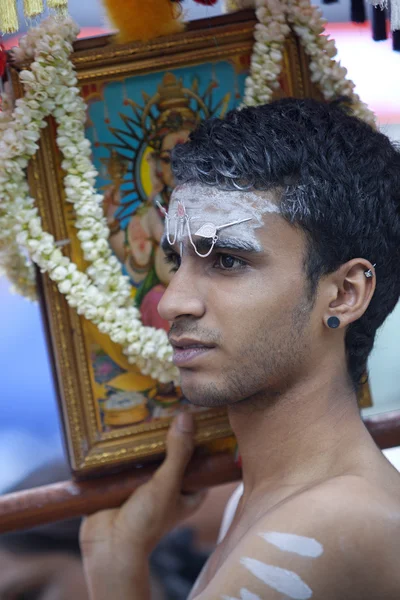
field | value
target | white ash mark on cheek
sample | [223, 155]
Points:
[298, 544]
[282, 580]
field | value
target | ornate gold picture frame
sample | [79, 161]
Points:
[142, 99]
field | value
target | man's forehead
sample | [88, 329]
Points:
[215, 218]
[201, 201]
[198, 192]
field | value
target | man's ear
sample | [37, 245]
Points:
[350, 290]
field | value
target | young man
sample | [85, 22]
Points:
[284, 235]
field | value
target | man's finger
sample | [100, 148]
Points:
[180, 446]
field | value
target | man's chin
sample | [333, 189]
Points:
[206, 401]
[206, 394]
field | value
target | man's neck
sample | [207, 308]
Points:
[311, 432]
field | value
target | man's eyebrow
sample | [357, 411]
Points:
[203, 245]
[234, 244]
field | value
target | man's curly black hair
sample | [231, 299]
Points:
[338, 179]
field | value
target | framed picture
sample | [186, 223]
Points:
[142, 100]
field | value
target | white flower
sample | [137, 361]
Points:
[90, 312]
[308, 23]
[59, 273]
[104, 327]
[26, 77]
[119, 337]
[134, 348]
[65, 286]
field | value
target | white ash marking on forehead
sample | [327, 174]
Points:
[234, 203]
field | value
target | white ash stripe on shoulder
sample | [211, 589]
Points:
[244, 595]
[282, 580]
[289, 542]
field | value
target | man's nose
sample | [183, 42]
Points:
[182, 297]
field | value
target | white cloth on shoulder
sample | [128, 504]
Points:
[230, 511]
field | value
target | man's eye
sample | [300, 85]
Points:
[174, 260]
[226, 262]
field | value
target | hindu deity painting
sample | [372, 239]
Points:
[134, 125]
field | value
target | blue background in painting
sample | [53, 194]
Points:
[114, 93]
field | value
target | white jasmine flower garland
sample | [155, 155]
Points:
[329, 75]
[102, 294]
[266, 60]
[274, 18]
[13, 264]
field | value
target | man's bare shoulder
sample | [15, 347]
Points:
[337, 540]
[365, 495]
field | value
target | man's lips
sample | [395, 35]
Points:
[187, 350]
[188, 343]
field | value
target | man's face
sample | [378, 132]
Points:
[239, 317]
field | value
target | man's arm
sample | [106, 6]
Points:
[116, 544]
[328, 544]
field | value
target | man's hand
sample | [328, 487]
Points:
[116, 543]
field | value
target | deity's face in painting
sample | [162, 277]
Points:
[164, 158]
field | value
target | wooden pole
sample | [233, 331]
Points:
[59, 501]
[384, 428]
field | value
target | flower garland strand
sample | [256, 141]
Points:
[308, 23]
[266, 60]
[13, 263]
[102, 294]
[62, 99]
[266, 63]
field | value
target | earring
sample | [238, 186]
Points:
[333, 322]
[369, 272]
